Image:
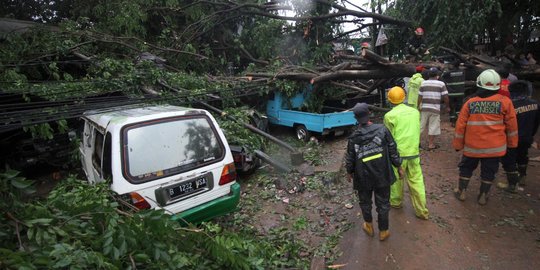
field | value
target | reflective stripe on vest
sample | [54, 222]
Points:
[458, 135]
[510, 134]
[372, 157]
[484, 123]
[485, 150]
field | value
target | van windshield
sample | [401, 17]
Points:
[169, 146]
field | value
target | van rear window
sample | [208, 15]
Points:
[165, 147]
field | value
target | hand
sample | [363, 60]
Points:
[448, 109]
[349, 177]
[401, 173]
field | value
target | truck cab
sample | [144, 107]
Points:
[286, 112]
[162, 157]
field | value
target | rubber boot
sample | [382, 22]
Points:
[522, 180]
[368, 228]
[484, 191]
[462, 188]
[522, 169]
[513, 179]
[383, 235]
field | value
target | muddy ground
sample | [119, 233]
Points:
[319, 208]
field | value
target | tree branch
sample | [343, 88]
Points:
[348, 86]
[379, 17]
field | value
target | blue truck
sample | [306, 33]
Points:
[286, 112]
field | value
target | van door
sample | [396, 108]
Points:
[96, 154]
[85, 148]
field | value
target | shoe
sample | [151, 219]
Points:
[482, 199]
[511, 189]
[383, 235]
[502, 185]
[368, 228]
[431, 148]
[460, 194]
[423, 217]
[399, 206]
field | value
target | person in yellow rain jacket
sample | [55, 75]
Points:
[404, 124]
[413, 86]
[486, 127]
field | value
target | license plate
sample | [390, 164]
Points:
[187, 188]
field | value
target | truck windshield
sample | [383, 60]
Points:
[169, 146]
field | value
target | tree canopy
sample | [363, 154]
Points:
[171, 49]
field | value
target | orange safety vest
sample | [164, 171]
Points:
[486, 127]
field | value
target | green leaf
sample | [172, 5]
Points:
[141, 257]
[30, 233]
[107, 250]
[39, 236]
[65, 261]
[40, 221]
[116, 253]
[108, 241]
[10, 173]
[21, 183]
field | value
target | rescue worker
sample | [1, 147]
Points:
[413, 86]
[528, 119]
[371, 152]
[404, 123]
[485, 128]
[454, 78]
[505, 83]
[365, 45]
[416, 46]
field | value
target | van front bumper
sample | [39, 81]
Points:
[211, 209]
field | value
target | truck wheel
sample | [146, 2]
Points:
[302, 133]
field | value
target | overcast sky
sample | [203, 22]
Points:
[346, 26]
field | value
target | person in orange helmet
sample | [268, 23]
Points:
[403, 122]
[416, 46]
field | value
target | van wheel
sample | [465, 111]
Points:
[302, 133]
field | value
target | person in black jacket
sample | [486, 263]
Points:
[371, 152]
[416, 46]
[528, 118]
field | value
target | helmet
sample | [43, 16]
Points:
[365, 45]
[489, 79]
[396, 95]
[419, 31]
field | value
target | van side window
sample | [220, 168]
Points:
[102, 147]
[107, 166]
[98, 148]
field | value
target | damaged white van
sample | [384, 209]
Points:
[163, 157]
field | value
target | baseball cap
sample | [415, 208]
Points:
[433, 71]
[361, 112]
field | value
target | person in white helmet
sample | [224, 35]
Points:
[485, 129]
